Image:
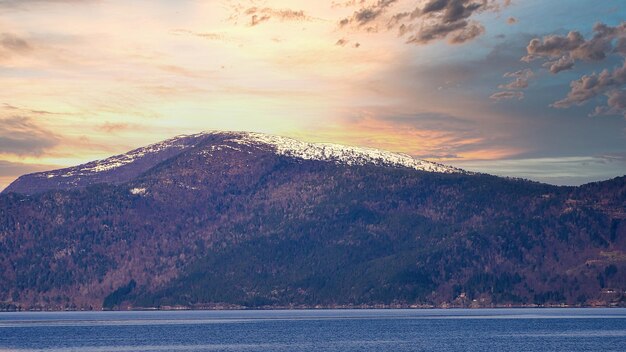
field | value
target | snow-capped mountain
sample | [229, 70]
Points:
[125, 167]
[232, 219]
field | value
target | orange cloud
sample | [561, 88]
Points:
[433, 144]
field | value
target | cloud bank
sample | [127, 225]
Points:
[561, 53]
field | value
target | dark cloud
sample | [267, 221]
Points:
[456, 32]
[469, 32]
[367, 15]
[505, 95]
[435, 31]
[561, 52]
[449, 19]
[397, 20]
[553, 45]
[566, 49]
[561, 64]
[620, 47]
[589, 86]
[23, 136]
[616, 104]
[434, 20]
[452, 10]
[520, 81]
[606, 40]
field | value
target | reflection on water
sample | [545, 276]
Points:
[317, 330]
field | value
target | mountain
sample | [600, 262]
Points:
[233, 219]
[125, 167]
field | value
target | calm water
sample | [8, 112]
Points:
[318, 330]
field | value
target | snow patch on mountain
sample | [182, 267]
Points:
[138, 190]
[340, 154]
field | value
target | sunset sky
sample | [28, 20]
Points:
[526, 88]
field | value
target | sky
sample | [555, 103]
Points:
[524, 88]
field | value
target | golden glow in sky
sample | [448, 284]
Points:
[88, 79]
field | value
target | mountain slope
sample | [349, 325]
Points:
[235, 220]
[116, 169]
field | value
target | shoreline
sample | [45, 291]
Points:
[314, 308]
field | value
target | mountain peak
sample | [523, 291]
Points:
[125, 167]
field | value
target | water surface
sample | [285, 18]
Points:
[318, 330]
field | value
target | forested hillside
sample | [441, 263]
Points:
[229, 224]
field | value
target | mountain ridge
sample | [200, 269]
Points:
[141, 159]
